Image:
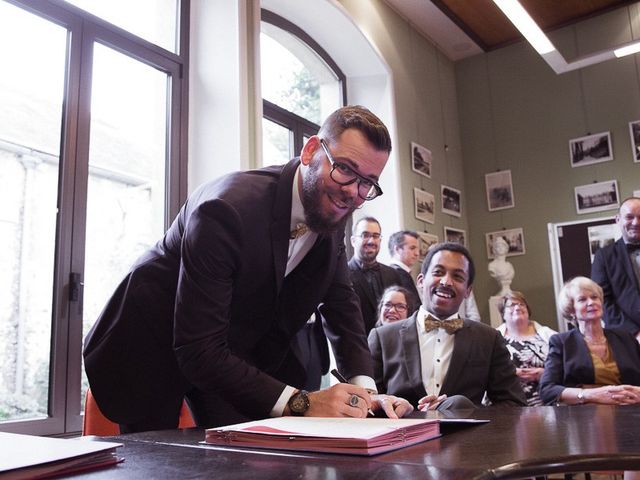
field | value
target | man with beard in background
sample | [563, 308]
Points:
[212, 311]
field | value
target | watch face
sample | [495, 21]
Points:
[299, 403]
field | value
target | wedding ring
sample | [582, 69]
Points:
[353, 401]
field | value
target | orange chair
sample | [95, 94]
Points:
[95, 423]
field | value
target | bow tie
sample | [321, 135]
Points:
[450, 326]
[633, 247]
[301, 229]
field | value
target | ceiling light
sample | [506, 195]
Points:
[528, 28]
[627, 50]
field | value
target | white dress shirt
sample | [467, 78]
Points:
[436, 348]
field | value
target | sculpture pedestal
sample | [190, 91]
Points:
[494, 313]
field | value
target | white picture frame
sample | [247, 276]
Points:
[597, 197]
[499, 188]
[590, 149]
[455, 235]
[634, 133]
[421, 159]
[514, 238]
[425, 242]
[424, 205]
[451, 200]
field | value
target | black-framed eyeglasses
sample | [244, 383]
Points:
[343, 174]
[399, 307]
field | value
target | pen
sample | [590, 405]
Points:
[341, 379]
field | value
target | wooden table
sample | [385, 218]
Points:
[516, 443]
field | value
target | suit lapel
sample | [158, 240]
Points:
[461, 349]
[625, 260]
[411, 352]
[281, 223]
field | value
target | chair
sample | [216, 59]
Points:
[95, 423]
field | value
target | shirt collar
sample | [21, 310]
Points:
[402, 265]
[422, 312]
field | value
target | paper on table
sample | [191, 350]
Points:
[335, 435]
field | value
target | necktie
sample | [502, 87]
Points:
[301, 229]
[450, 326]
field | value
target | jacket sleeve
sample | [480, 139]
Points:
[551, 383]
[600, 275]
[503, 386]
[376, 355]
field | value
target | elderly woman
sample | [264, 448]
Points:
[590, 364]
[393, 305]
[527, 342]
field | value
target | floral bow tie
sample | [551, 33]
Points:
[450, 326]
[299, 231]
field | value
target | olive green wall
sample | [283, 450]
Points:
[509, 110]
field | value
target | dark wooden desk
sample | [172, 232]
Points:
[516, 443]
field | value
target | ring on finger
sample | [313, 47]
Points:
[353, 401]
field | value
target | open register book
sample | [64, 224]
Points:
[31, 457]
[354, 436]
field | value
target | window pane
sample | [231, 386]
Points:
[31, 90]
[127, 168]
[277, 147]
[294, 77]
[153, 20]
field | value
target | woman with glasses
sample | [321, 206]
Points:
[527, 342]
[393, 305]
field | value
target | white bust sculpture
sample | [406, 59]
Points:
[499, 268]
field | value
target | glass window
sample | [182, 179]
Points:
[277, 145]
[31, 97]
[153, 20]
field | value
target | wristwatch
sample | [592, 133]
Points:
[580, 396]
[299, 403]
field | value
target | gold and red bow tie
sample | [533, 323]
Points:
[301, 229]
[450, 326]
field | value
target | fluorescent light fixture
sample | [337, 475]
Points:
[627, 50]
[523, 22]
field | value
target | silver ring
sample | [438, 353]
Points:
[353, 401]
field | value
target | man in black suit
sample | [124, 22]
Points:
[616, 268]
[433, 355]
[404, 249]
[368, 276]
[212, 311]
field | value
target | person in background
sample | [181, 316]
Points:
[590, 364]
[527, 342]
[404, 248]
[433, 358]
[369, 277]
[616, 268]
[393, 305]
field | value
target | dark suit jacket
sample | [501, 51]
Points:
[407, 282]
[368, 299]
[480, 362]
[569, 363]
[612, 270]
[209, 307]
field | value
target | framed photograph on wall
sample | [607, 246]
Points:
[455, 235]
[451, 199]
[602, 235]
[596, 197]
[514, 238]
[421, 159]
[634, 131]
[425, 205]
[426, 240]
[499, 190]
[590, 149]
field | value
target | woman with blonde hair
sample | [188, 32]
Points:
[590, 364]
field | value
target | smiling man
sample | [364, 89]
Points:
[616, 268]
[434, 359]
[211, 312]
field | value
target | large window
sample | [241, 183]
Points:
[91, 170]
[300, 84]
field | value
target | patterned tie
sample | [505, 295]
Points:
[450, 326]
[301, 229]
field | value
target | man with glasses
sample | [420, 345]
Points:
[212, 311]
[369, 277]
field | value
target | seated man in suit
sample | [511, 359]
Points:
[368, 277]
[433, 355]
[405, 250]
[616, 268]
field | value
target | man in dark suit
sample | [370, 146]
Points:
[616, 268]
[212, 311]
[368, 276]
[433, 355]
[404, 249]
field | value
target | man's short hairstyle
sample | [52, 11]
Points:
[452, 247]
[354, 227]
[360, 118]
[628, 199]
[569, 291]
[514, 295]
[397, 240]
